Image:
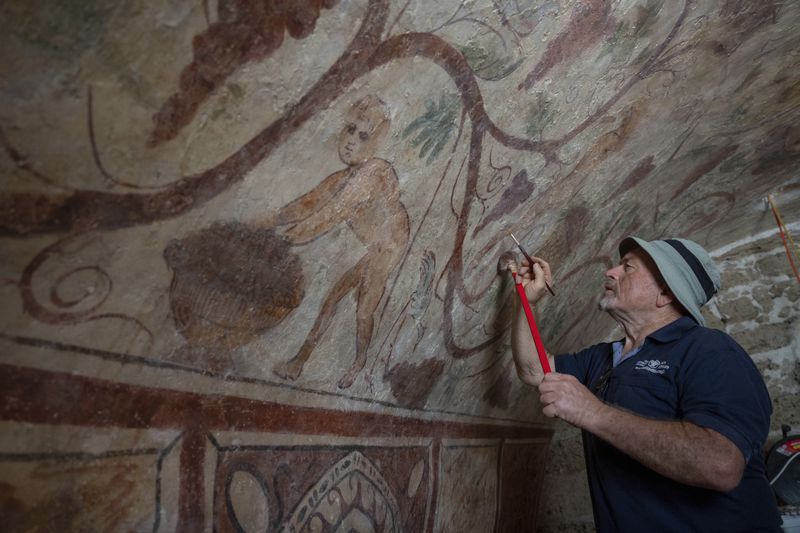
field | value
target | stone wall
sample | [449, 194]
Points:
[759, 305]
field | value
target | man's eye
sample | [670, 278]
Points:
[363, 135]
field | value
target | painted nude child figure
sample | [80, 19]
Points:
[366, 196]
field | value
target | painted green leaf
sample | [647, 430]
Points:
[488, 63]
[637, 22]
[434, 127]
[540, 113]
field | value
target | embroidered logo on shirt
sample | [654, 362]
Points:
[653, 365]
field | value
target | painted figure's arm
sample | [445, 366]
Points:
[316, 212]
[523, 348]
[679, 450]
[356, 199]
[309, 203]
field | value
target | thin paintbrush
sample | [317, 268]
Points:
[530, 260]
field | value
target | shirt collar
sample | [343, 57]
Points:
[674, 330]
[617, 357]
[671, 332]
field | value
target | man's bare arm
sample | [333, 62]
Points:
[523, 348]
[679, 450]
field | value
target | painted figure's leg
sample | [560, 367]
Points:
[293, 368]
[370, 292]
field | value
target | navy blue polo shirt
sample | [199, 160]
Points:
[682, 372]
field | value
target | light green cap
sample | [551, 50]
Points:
[686, 267]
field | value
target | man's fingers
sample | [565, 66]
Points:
[526, 266]
[547, 396]
[545, 266]
[534, 274]
[549, 411]
[554, 377]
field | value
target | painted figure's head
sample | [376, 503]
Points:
[366, 124]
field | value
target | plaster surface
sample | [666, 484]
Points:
[276, 225]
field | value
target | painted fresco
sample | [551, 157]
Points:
[305, 202]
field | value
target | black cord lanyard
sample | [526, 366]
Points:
[600, 386]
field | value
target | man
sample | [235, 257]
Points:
[674, 415]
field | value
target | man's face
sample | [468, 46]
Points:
[632, 285]
[360, 136]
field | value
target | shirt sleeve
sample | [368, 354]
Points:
[723, 390]
[568, 363]
[580, 364]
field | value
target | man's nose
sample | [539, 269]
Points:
[612, 272]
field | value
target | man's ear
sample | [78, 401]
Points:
[665, 297]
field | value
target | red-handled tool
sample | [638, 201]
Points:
[537, 340]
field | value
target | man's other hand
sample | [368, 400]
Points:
[563, 396]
